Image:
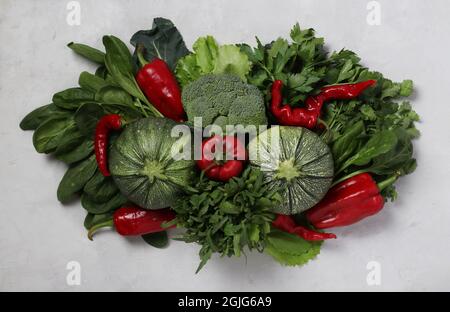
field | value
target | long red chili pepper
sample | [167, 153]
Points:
[287, 224]
[348, 202]
[307, 116]
[133, 221]
[231, 166]
[102, 131]
[160, 87]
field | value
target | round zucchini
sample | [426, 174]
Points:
[142, 165]
[296, 162]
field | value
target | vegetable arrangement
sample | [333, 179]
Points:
[333, 139]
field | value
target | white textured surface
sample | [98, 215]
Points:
[39, 236]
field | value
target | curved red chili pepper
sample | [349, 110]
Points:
[307, 116]
[232, 166]
[134, 221]
[348, 202]
[161, 88]
[287, 224]
[102, 130]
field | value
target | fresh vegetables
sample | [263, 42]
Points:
[227, 217]
[295, 161]
[359, 147]
[159, 85]
[308, 116]
[224, 168]
[142, 165]
[211, 58]
[224, 100]
[349, 202]
[287, 224]
[104, 126]
[133, 221]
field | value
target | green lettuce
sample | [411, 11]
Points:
[211, 58]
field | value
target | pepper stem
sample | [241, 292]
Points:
[140, 55]
[388, 182]
[96, 227]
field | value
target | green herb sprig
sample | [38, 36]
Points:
[227, 218]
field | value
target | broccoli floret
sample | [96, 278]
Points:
[224, 100]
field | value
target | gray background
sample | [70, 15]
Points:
[38, 236]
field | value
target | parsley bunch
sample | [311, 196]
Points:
[227, 217]
[372, 134]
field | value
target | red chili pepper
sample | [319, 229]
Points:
[287, 224]
[160, 87]
[102, 130]
[133, 221]
[307, 116]
[348, 202]
[222, 170]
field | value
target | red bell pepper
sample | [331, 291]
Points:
[160, 87]
[133, 221]
[348, 202]
[231, 166]
[308, 116]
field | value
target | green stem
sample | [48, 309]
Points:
[388, 182]
[95, 228]
[140, 55]
[271, 76]
[138, 104]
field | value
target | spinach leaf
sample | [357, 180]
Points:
[86, 118]
[88, 52]
[347, 143]
[80, 152]
[119, 64]
[396, 159]
[70, 139]
[113, 95]
[101, 72]
[380, 143]
[76, 178]
[92, 206]
[162, 41]
[158, 239]
[46, 138]
[94, 219]
[91, 82]
[100, 188]
[40, 115]
[72, 98]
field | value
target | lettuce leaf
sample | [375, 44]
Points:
[289, 249]
[209, 57]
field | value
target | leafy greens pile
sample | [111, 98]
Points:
[371, 134]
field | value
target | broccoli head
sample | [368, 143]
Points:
[224, 100]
